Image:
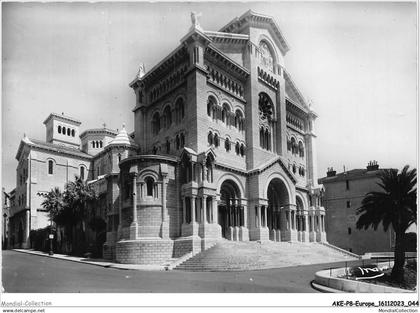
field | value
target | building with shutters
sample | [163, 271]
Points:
[343, 195]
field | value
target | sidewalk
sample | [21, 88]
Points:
[97, 262]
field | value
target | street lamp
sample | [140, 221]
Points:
[51, 237]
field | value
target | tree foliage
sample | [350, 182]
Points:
[395, 206]
[53, 202]
[70, 208]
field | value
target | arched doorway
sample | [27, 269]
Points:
[299, 215]
[231, 213]
[278, 197]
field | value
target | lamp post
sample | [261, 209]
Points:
[51, 237]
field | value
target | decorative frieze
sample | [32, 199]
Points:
[225, 82]
[294, 121]
[268, 78]
[172, 81]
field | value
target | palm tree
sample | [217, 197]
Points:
[53, 202]
[395, 205]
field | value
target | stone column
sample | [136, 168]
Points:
[192, 209]
[119, 232]
[201, 218]
[184, 212]
[244, 232]
[259, 216]
[305, 232]
[204, 205]
[134, 224]
[265, 216]
[245, 215]
[214, 210]
[204, 172]
[165, 224]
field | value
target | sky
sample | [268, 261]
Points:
[356, 62]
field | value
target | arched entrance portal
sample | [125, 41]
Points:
[278, 198]
[231, 213]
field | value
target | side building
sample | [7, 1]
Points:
[42, 165]
[7, 200]
[343, 195]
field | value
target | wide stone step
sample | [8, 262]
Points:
[228, 255]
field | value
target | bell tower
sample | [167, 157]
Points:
[62, 130]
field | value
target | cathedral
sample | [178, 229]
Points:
[223, 148]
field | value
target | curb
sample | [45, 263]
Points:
[104, 264]
[324, 289]
[331, 279]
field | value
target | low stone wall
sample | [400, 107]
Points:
[144, 251]
[329, 278]
[156, 250]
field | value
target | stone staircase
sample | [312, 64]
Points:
[237, 256]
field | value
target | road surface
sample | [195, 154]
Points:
[32, 274]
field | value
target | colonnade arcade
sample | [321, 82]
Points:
[231, 210]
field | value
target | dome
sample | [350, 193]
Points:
[122, 138]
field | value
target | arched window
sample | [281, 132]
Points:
[211, 103]
[242, 150]
[182, 139]
[237, 148]
[293, 145]
[265, 106]
[177, 142]
[64, 130]
[100, 143]
[294, 169]
[262, 138]
[168, 146]
[267, 140]
[68, 131]
[180, 109]
[73, 133]
[225, 114]
[227, 144]
[216, 140]
[210, 138]
[167, 117]
[155, 149]
[50, 167]
[149, 185]
[119, 157]
[59, 129]
[82, 172]
[266, 56]
[301, 149]
[155, 123]
[93, 144]
[239, 120]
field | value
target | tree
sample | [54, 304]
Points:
[395, 205]
[76, 196]
[53, 202]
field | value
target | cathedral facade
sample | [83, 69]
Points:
[227, 148]
[223, 148]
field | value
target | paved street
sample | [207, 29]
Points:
[31, 273]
